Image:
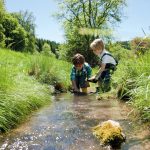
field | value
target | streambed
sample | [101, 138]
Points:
[66, 125]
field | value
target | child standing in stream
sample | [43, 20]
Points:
[107, 66]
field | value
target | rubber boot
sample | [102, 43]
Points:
[84, 90]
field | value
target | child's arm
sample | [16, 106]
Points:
[73, 80]
[74, 86]
[94, 78]
[102, 68]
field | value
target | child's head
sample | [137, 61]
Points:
[78, 61]
[97, 46]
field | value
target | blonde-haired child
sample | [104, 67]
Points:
[107, 65]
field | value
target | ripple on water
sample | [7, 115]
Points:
[66, 125]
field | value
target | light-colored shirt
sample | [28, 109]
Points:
[107, 59]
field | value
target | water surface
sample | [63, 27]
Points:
[66, 125]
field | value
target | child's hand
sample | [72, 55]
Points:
[92, 79]
[76, 90]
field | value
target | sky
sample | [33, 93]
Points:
[137, 14]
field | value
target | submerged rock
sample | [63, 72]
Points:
[109, 133]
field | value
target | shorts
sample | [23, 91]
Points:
[81, 82]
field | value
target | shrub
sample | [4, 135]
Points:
[140, 45]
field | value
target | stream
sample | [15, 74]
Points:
[66, 124]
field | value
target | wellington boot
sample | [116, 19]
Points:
[84, 90]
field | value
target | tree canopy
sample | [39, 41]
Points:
[85, 20]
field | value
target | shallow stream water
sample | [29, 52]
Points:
[66, 125]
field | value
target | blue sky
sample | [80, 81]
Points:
[137, 17]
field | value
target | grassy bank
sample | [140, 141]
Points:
[133, 78]
[20, 91]
[25, 84]
[50, 71]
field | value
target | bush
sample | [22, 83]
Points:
[133, 80]
[15, 34]
[50, 70]
[140, 45]
[119, 52]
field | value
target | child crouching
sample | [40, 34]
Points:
[81, 71]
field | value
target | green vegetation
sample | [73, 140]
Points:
[51, 71]
[83, 21]
[25, 78]
[20, 94]
[140, 45]
[133, 79]
[17, 32]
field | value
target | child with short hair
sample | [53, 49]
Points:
[81, 71]
[108, 65]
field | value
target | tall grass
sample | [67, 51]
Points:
[50, 70]
[26, 96]
[133, 76]
[20, 94]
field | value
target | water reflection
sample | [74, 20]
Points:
[66, 125]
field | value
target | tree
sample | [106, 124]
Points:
[140, 45]
[2, 36]
[39, 44]
[2, 10]
[85, 20]
[18, 37]
[124, 44]
[53, 45]
[2, 13]
[46, 50]
[14, 33]
[26, 20]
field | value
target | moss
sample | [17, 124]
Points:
[109, 133]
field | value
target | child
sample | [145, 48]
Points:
[81, 71]
[108, 65]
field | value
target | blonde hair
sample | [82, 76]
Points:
[97, 43]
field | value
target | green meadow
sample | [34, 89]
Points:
[25, 84]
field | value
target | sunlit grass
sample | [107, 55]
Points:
[20, 94]
[26, 96]
[50, 70]
[133, 76]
